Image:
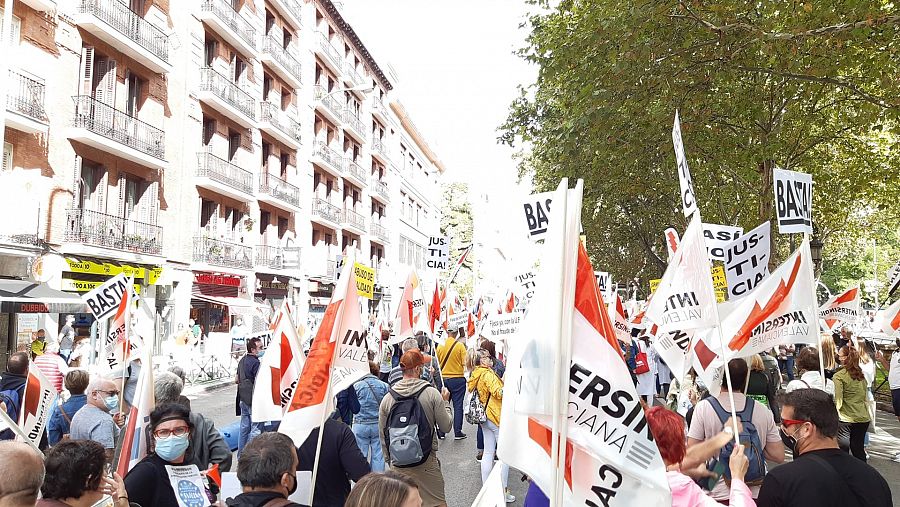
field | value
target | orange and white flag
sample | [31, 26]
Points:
[137, 430]
[411, 311]
[279, 369]
[890, 319]
[620, 322]
[337, 358]
[843, 307]
[779, 310]
[38, 398]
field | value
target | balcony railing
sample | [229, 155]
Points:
[274, 47]
[279, 189]
[223, 171]
[227, 90]
[326, 210]
[355, 170]
[294, 7]
[381, 188]
[110, 231]
[355, 219]
[111, 123]
[273, 114]
[329, 101]
[222, 253]
[116, 14]
[327, 153]
[328, 48]
[25, 95]
[379, 107]
[355, 123]
[232, 19]
[379, 147]
[270, 256]
[354, 76]
[380, 232]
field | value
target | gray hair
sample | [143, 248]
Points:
[409, 344]
[22, 469]
[167, 387]
[178, 370]
[97, 382]
[265, 459]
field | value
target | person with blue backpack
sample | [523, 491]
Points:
[759, 434]
[12, 389]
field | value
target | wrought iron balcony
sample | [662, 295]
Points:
[327, 153]
[109, 122]
[329, 101]
[227, 90]
[328, 48]
[354, 170]
[353, 121]
[21, 239]
[379, 148]
[274, 48]
[293, 10]
[354, 219]
[231, 19]
[110, 231]
[121, 18]
[222, 253]
[26, 95]
[380, 232]
[353, 75]
[324, 209]
[378, 108]
[224, 172]
[381, 188]
[279, 119]
[270, 256]
[279, 189]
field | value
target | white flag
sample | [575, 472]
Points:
[620, 323]
[688, 198]
[492, 493]
[780, 310]
[890, 319]
[279, 369]
[137, 431]
[843, 307]
[685, 298]
[38, 398]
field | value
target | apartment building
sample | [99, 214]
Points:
[226, 153]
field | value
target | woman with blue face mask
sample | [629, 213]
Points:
[148, 483]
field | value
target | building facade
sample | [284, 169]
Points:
[226, 153]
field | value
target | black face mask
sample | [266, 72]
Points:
[293, 488]
[791, 441]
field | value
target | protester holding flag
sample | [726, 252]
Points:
[487, 386]
[451, 359]
[12, 389]
[76, 382]
[808, 367]
[388, 489]
[76, 476]
[850, 388]
[148, 483]
[370, 390]
[99, 419]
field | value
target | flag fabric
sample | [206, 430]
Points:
[842, 307]
[620, 322]
[780, 310]
[685, 298]
[890, 319]
[492, 493]
[706, 359]
[279, 369]
[611, 458]
[137, 430]
[411, 310]
[36, 403]
[673, 347]
[337, 358]
[510, 303]
[459, 264]
[470, 327]
[215, 475]
[434, 314]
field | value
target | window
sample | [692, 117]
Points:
[264, 218]
[317, 179]
[240, 70]
[268, 84]
[285, 159]
[210, 47]
[282, 226]
[234, 142]
[270, 22]
[209, 130]
[134, 85]
[208, 211]
[90, 185]
[7, 157]
[266, 153]
[418, 214]
[16, 33]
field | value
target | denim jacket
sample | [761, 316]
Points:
[370, 391]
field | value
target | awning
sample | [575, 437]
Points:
[238, 306]
[22, 296]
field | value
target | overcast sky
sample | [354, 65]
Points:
[457, 74]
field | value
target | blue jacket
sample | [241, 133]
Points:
[370, 391]
[58, 425]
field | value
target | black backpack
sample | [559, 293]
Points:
[408, 433]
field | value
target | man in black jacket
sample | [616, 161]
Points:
[12, 389]
[340, 461]
[267, 472]
[245, 378]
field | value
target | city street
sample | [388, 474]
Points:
[462, 474]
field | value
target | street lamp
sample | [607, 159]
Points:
[815, 251]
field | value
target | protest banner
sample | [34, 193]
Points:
[890, 319]
[604, 283]
[720, 285]
[843, 307]
[105, 299]
[36, 404]
[458, 320]
[793, 201]
[654, 284]
[718, 237]
[747, 261]
[438, 252]
[499, 327]
[365, 280]
[526, 281]
[688, 197]
[188, 485]
[536, 209]
[279, 369]
[893, 278]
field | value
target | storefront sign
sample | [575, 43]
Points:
[211, 279]
[108, 269]
[278, 286]
[365, 280]
[87, 285]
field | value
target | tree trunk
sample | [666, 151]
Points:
[766, 205]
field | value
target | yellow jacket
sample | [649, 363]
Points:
[452, 358]
[488, 383]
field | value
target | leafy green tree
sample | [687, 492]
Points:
[806, 86]
[457, 222]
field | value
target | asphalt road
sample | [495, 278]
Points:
[462, 474]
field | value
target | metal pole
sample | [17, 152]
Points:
[875, 270]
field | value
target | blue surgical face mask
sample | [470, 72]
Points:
[111, 402]
[172, 447]
[261, 353]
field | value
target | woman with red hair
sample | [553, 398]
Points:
[668, 431]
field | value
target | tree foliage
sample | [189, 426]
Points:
[457, 222]
[807, 86]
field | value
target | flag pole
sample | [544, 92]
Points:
[4, 418]
[815, 312]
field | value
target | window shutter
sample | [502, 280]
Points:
[153, 202]
[144, 201]
[122, 194]
[87, 69]
[16, 33]
[7, 157]
[102, 176]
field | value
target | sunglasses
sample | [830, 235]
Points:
[786, 423]
[166, 433]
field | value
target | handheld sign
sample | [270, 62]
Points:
[438, 252]
[718, 237]
[793, 201]
[688, 199]
[894, 278]
[537, 214]
[104, 300]
[747, 261]
[365, 280]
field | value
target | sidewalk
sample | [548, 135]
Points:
[193, 390]
[884, 445]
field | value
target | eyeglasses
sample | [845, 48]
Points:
[786, 423]
[111, 393]
[166, 433]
